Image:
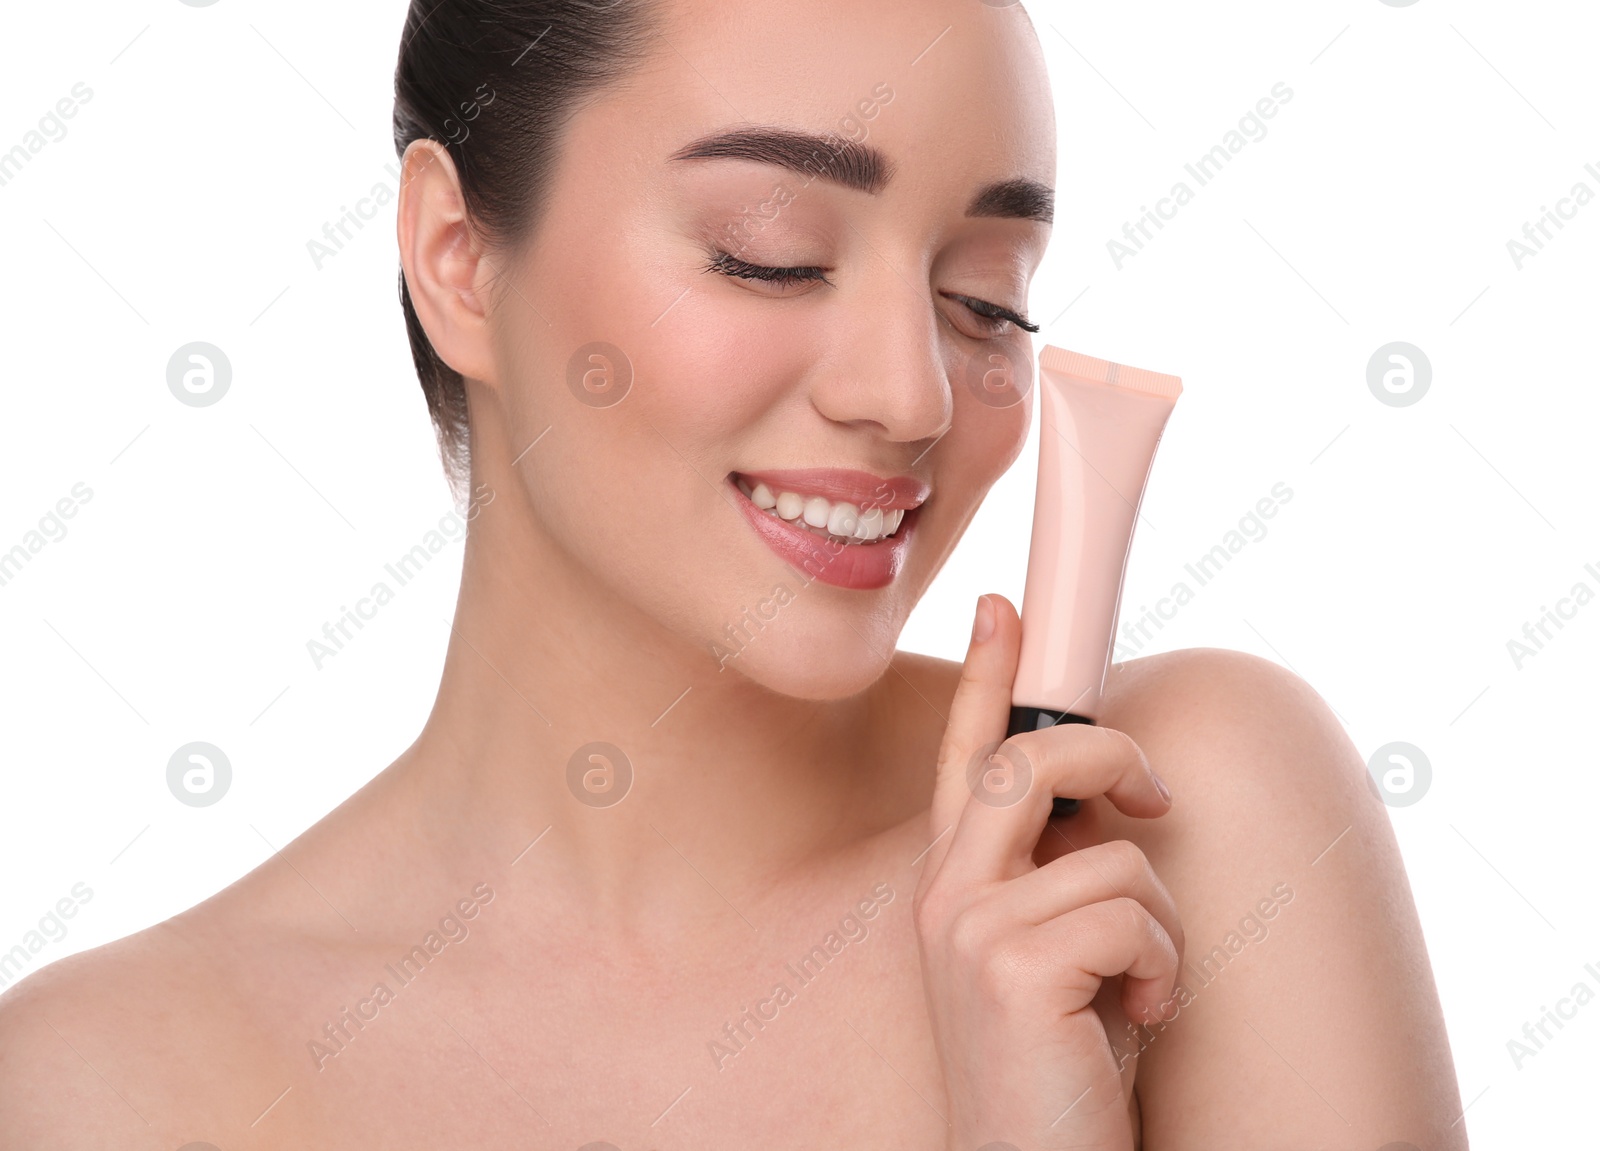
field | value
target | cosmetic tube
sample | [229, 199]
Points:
[1099, 426]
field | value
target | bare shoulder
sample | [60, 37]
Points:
[1208, 704]
[194, 1029]
[175, 1034]
[1306, 1011]
[1265, 780]
[107, 1047]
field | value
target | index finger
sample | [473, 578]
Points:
[978, 715]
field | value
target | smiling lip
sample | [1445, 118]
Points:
[844, 485]
[859, 567]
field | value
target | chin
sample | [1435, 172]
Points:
[807, 651]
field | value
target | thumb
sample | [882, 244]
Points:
[978, 713]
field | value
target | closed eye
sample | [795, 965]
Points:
[992, 311]
[730, 265]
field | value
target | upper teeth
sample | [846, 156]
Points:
[844, 521]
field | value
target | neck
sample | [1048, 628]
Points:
[712, 787]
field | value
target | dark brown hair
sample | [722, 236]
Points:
[495, 81]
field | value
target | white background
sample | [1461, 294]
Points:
[1418, 541]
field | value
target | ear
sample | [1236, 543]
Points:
[443, 261]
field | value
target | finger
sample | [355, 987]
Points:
[978, 713]
[1078, 830]
[1096, 874]
[1114, 937]
[1057, 756]
[996, 835]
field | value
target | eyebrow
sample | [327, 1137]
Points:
[1019, 199]
[859, 167]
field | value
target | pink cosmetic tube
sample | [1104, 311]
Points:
[1100, 424]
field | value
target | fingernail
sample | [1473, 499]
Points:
[1161, 786]
[983, 623]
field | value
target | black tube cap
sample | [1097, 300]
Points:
[1036, 719]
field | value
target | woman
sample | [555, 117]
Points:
[684, 855]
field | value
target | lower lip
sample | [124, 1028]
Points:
[860, 567]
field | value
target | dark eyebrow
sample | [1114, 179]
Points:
[1019, 199]
[858, 166]
[832, 157]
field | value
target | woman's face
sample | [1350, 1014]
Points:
[866, 386]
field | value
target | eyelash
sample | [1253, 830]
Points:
[730, 265]
[994, 312]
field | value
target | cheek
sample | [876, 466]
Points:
[993, 413]
[716, 381]
[633, 490]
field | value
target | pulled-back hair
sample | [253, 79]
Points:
[495, 81]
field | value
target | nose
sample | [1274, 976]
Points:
[885, 369]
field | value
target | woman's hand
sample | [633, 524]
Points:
[1013, 954]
